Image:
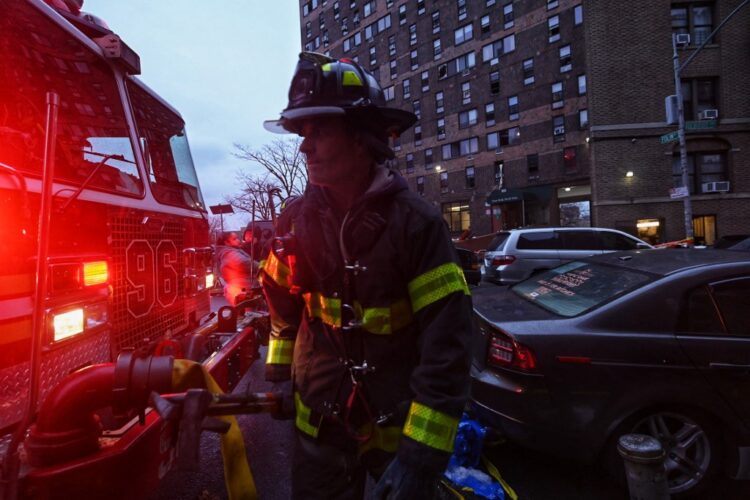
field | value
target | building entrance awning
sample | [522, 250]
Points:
[508, 195]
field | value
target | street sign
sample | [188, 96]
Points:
[701, 124]
[678, 192]
[670, 137]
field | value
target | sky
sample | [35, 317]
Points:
[224, 65]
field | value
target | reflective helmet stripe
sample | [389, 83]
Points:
[351, 79]
[435, 284]
[430, 427]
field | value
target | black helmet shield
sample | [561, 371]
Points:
[324, 86]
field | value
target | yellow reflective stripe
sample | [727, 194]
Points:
[351, 79]
[431, 427]
[326, 67]
[377, 320]
[280, 351]
[278, 271]
[436, 284]
[324, 308]
[386, 320]
[302, 420]
[382, 438]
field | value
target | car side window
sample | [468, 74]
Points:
[614, 241]
[733, 298]
[580, 240]
[541, 240]
[700, 315]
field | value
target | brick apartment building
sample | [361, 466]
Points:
[514, 128]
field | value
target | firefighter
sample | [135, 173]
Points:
[369, 308]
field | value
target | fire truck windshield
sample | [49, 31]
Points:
[39, 57]
[170, 168]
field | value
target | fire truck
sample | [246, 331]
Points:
[106, 264]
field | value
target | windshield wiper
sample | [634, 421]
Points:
[91, 175]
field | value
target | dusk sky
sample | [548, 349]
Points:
[225, 66]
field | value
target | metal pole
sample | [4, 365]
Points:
[686, 201]
[221, 218]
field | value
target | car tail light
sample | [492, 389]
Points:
[95, 273]
[502, 260]
[505, 351]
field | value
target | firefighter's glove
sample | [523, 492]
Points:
[286, 409]
[402, 481]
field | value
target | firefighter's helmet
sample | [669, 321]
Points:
[325, 86]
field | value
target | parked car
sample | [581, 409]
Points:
[642, 341]
[471, 265]
[517, 254]
[730, 240]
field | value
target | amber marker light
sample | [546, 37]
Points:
[95, 273]
[68, 324]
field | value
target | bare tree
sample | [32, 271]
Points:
[285, 172]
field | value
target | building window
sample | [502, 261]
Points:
[509, 137]
[499, 167]
[420, 7]
[557, 95]
[553, 27]
[439, 106]
[457, 215]
[566, 60]
[468, 146]
[409, 163]
[583, 119]
[373, 56]
[428, 157]
[489, 114]
[569, 159]
[345, 27]
[412, 34]
[461, 7]
[413, 59]
[581, 84]
[513, 108]
[393, 65]
[508, 15]
[417, 107]
[402, 15]
[465, 92]
[707, 172]
[336, 11]
[552, 4]
[495, 82]
[484, 23]
[407, 88]
[492, 51]
[467, 118]
[436, 22]
[558, 128]
[469, 174]
[532, 166]
[397, 143]
[578, 14]
[513, 136]
[493, 142]
[463, 34]
[695, 19]
[308, 29]
[368, 8]
[441, 129]
[443, 182]
[420, 184]
[436, 49]
[698, 95]
[389, 93]
[418, 135]
[392, 45]
[489, 3]
[528, 71]
[425, 81]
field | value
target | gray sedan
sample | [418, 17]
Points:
[655, 342]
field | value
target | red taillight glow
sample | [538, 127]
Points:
[507, 352]
[95, 273]
[502, 260]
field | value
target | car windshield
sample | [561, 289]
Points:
[577, 287]
[498, 242]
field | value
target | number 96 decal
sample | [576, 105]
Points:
[151, 275]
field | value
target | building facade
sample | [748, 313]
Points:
[515, 130]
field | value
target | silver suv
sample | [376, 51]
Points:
[514, 255]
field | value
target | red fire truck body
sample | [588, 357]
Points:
[128, 256]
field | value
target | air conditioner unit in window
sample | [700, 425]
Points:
[709, 114]
[683, 39]
[559, 131]
[716, 187]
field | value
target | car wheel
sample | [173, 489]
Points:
[692, 446]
